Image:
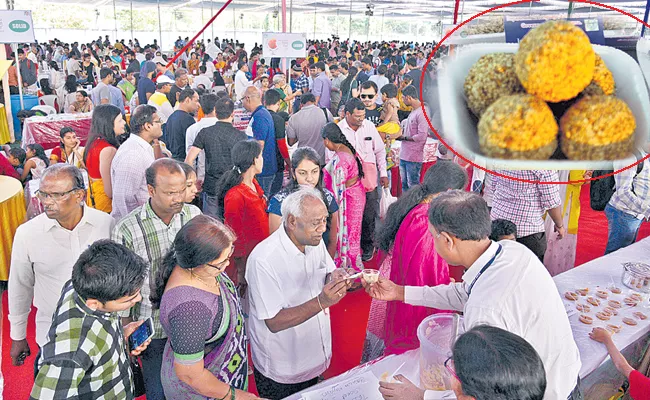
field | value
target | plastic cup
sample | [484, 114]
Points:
[370, 275]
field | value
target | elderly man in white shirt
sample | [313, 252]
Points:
[44, 251]
[292, 282]
[505, 285]
[363, 135]
[133, 158]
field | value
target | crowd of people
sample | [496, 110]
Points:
[228, 240]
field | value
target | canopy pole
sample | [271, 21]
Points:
[456, 11]
[7, 96]
[314, 23]
[530, 8]
[462, 11]
[284, 29]
[570, 10]
[159, 27]
[645, 17]
[383, 14]
[202, 23]
[291, 16]
[337, 21]
[211, 14]
[115, 19]
[131, 19]
[20, 79]
[350, 23]
[234, 24]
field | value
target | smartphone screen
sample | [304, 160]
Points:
[142, 334]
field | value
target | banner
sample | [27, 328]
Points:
[16, 26]
[279, 44]
[517, 27]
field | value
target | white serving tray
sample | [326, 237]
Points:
[460, 129]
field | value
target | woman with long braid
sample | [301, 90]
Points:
[342, 176]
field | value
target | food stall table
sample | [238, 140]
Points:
[12, 214]
[45, 130]
[600, 380]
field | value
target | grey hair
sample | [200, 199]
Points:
[292, 205]
[277, 78]
[462, 214]
[70, 171]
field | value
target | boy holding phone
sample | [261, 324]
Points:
[86, 355]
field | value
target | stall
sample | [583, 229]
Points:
[45, 130]
[600, 380]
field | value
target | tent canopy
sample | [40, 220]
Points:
[423, 9]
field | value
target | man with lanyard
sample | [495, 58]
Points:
[505, 286]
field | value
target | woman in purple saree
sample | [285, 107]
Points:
[411, 260]
[205, 356]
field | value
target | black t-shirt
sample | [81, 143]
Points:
[171, 96]
[217, 141]
[374, 116]
[177, 125]
[415, 74]
[90, 73]
[280, 123]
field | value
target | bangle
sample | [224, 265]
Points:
[226, 395]
[319, 304]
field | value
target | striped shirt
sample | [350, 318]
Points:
[128, 175]
[85, 356]
[632, 195]
[149, 237]
[523, 203]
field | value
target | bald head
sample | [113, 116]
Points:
[252, 98]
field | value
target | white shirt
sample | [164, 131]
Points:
[73, 66]
[191, 134]
[380, 81]
[41, 263]
[515, 293]
[368, 144]
[241, 83]
[128, 175]
[280, 276]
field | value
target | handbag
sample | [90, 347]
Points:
[138, 378]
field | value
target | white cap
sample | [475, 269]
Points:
[159, 60]
[164, 79]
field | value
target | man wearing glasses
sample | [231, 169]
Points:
[131, 160]
[149, 230]
[44, 251]
[368, 97]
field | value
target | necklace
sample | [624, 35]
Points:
[204, 282]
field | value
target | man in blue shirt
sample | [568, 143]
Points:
[261, 127]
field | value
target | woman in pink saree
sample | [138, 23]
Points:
[342, 176]
[411, 260]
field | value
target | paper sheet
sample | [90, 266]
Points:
[362, 387]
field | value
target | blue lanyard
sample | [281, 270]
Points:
[485, 267]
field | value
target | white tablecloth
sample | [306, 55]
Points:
[604, 272]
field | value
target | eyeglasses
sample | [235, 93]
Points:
[157, 121]
[449, 364]
[367, 96]
[222, 265]
[54, 196]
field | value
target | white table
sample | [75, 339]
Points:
[603, 271]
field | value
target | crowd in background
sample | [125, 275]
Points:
[226, 239]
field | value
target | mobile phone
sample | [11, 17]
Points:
[142, 334]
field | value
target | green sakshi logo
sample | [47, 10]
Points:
[19, 26]
[298, 45]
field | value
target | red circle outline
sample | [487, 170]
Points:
[426, 64]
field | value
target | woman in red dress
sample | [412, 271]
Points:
[243, 206]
